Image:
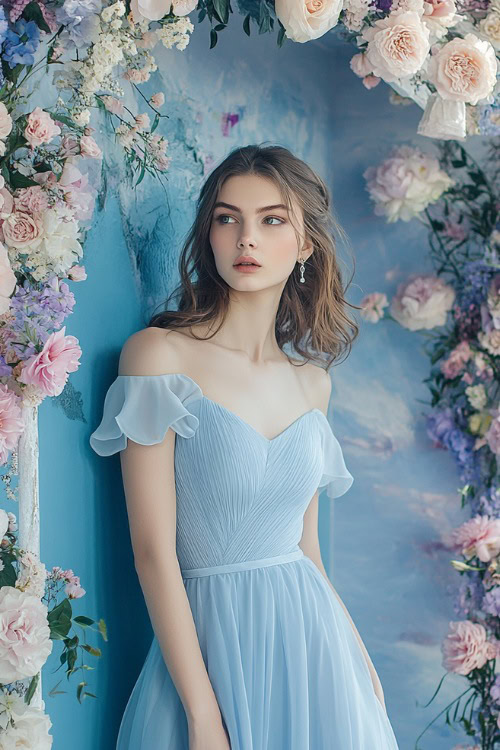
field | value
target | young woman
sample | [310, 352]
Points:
[224, 446]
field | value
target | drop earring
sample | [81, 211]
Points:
[302, 279]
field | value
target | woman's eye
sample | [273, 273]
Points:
[221, 217]
[275, 217]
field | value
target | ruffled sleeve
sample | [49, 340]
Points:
[142, 408]
[336, 476]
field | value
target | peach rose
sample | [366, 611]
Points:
[464, 70]
[41, 128]
[369, 82]
[398, 45]
[21, 229]
[466, 648]
[49, 369]
[307, 19]
[5, 121]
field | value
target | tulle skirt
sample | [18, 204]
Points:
[284, 662]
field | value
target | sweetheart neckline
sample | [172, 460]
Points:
[229, 411]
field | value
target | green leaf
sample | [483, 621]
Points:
[31, 689]
[32, 12]
[82, 620]
[221, 8]
[103, 629]
[18, 180]
[213, 38]
[246, 25]
[8, 575]
[92, 650]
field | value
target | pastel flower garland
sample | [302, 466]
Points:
[458, 203]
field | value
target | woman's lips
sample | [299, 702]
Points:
[247, 269]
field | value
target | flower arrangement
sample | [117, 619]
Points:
[457, 311]
[35, 607]
[442, 54]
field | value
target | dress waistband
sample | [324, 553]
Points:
[263, 562]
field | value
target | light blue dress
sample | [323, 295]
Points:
[282, 657]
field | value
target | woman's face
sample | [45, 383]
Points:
[242, 227]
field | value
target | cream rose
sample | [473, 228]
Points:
[490, 27]
[307, 19]
[398, 45]
[464, 70]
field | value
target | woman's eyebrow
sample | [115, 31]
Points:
[259, 210]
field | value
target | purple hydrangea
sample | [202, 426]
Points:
[491, 602]
[80, 19]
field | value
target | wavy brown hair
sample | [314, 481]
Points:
[312, 315]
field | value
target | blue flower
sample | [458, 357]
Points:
[20, 45]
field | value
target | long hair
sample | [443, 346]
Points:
[311, 315]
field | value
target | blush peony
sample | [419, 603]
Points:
[422, 301]
[49, 369]
[25, 642]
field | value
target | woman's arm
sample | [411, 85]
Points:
[309, 544]
[321, 385]
[149, 483]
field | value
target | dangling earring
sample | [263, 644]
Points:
[302, 279]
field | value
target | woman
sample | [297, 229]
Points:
[224, 445]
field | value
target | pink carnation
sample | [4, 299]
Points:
[466, 647]
[459, 356]
[49, 369]
[41, 128]
[480, 537]
[11, 421]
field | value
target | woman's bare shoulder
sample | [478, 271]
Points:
[150, 351]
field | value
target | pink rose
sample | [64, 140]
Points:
[49, 369]
[398, 45]
[152, 10]
[7, 280]
[439, 8]
[22, 230]
[77, 273]
[25, 642]
[466, 648]
[73, 589]
[41, 128]
[32, 200]
[480, 537]
[422, 302]
[464, 70]
[373, 306]
[307, 19]
[5, 121]
[459, 356]
[88, 147]
[158, 100]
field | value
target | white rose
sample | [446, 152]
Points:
[422, 301]
[307, 19]
[25, 642]
[444, 119]
[398, 45]
[31, 725]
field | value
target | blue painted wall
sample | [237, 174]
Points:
[379, 540]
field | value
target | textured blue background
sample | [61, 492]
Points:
[380, 541]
